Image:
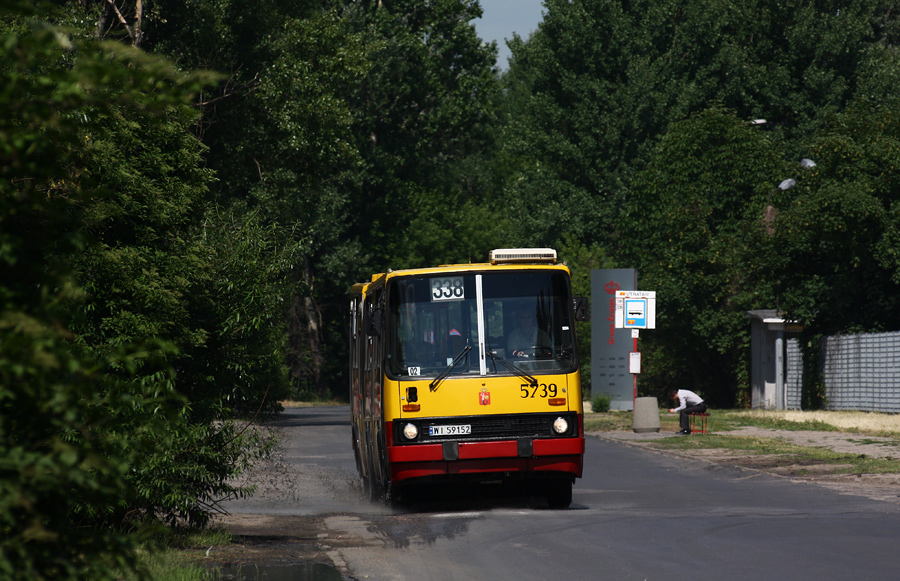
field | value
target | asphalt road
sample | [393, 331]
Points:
[636, 514]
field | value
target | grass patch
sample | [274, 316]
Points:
[739, 443]
[178, 554]
[771, 453]
[873, 441]
[309, 404]
[869, 465]
[607, 421]
[727, 420]
[731, 419]
[619, 420]
[172, 565]
[873, 423]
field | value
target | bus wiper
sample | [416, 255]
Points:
[495, 358]
[437, 380]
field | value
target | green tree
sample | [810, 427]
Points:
[628, 126]
[64, 462]
[422, 117]
[834, 245]
[832, 250]
[157, 270]
[695, 226]
[600, 81]
[279, 135]
[140, 322]
[356, 128]
[164, 264]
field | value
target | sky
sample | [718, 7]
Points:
[503, 17]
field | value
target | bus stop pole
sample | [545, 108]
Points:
[634, 333]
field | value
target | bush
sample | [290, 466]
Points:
[600, 403]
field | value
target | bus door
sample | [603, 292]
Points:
[356, 335]
[374, 385]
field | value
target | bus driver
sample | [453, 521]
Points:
[526, 338]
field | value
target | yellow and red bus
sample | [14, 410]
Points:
[468, 371]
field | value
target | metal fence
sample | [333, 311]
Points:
[794, 377]
[861, 372]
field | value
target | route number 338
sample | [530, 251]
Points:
[451, 288]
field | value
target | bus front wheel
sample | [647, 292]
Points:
[559, 493]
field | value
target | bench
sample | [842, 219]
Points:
[699, 422]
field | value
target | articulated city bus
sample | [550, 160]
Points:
[468, 372]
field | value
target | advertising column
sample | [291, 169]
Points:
[610, 347]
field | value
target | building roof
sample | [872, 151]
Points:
[774, 319]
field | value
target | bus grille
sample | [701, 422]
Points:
[489, 427]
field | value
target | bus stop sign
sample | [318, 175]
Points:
[635, 309]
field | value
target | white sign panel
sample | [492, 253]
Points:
[634, 362]
[636, 309]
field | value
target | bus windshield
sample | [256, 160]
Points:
[520, 317]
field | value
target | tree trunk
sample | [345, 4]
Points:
[135, 31]
[306, 358]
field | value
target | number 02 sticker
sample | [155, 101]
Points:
[448, 289]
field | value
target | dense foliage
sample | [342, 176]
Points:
[188, 188]
[138, 325]
[64, 464]
[423, 122]
[632, 126]
[278, 129]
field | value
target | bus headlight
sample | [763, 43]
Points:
[560, 425]
[410, 432]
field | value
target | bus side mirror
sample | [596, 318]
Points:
[376, 322]
[582, 309]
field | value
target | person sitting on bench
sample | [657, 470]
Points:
[689, 403]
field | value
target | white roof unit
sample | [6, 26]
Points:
[523, 256]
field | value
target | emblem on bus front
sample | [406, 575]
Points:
[484, 397]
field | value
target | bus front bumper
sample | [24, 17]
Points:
[520, 456]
